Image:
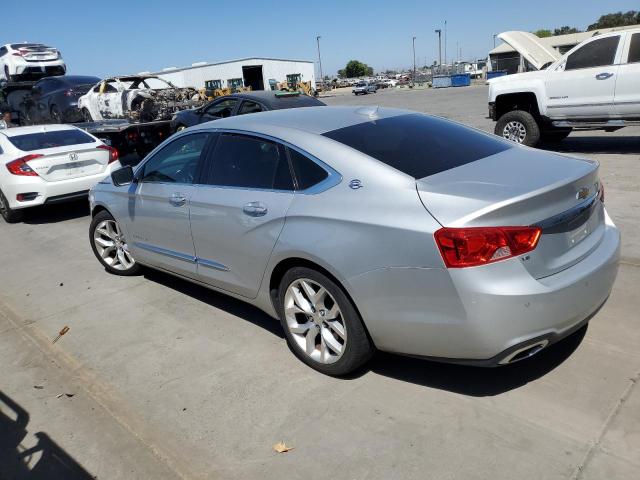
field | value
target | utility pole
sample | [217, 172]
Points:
[445, 42]
[414, 60]
[439, 32]
[494, 40]
[320, 60]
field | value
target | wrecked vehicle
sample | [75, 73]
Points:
[138, 98]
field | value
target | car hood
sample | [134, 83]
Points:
[530, 47]
[526, 76]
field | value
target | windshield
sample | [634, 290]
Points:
[361, 84]
[43, 140]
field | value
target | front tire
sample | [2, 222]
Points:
[320, 323]
[86, 116]
[110, 247]
[519, 127]
[9, 214]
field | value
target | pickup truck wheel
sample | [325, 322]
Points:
[556, 135]
[518, 126]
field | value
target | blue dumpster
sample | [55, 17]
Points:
[496, 73]
[461, 80]
[441, 81]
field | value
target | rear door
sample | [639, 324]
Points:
[584, 85]
[158, 220]
[237, 216]
[627, 97]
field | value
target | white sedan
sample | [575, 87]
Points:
[49, 164]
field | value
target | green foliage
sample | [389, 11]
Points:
[618, 19]
[542, 33]
[566, 30]
[356, 68]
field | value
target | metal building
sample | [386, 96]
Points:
[257, 73]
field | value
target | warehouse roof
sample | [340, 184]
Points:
[561, 40]
[208, 64]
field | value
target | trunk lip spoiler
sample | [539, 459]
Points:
[569, 219]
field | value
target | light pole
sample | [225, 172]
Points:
[320, 60]
[414, 60]
[494, 40]
[445, 42]
[439, 32]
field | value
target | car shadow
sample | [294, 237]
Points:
[477, 381]
[461, 379]
[218, 300]
[55, 213]
[45, 460]
[596, 144]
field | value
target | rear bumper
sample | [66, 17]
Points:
[51, 192]
[37, 69]
[480, 315]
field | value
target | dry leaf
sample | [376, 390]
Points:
[282, 447]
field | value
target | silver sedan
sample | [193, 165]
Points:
[369, 228]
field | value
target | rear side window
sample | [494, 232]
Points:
[42, 140]
[634, 48]
[419, 145]
[249, 162]
[307, 172]
[594, 54]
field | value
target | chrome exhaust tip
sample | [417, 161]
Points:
[524, 352]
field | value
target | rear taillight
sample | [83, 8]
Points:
[601, 192]
[19, 166]
[470, 247]
[113, 152]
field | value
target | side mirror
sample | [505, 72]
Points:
[122, 176]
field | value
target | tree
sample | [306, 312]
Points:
[618, 19]
[356, 68]
[542, 33]
[566, 30]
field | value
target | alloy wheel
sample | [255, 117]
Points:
[315, 321]
[515, 131]
[111, 245]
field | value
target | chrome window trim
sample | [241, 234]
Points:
[333, 178]
[212, 264]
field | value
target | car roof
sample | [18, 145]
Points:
[316, 120]
[12, 132]
[69, 78]
[270, 97]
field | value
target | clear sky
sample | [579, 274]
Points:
[116, 37]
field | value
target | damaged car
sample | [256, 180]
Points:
[137, 98]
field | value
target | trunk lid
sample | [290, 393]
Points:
[530, 47]
[59, 163]
[38, 53]
[520, 187]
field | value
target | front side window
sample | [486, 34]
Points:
[634, 48]
[598, 53]
[177, 162]
[222, 108]
[249, 162]
[249, 107]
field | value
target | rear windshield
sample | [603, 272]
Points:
[294, 102]
[419, 145]
[42, 140]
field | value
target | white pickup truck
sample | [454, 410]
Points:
[594, 86]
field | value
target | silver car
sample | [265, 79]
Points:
[366, 228]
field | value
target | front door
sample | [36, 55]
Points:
[237, 217]
[584, 85]
[158, 219]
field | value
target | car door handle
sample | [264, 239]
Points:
[604, 75]
[177, 199]
[255, 209]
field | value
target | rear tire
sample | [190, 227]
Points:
[10, 215]
[327, 333]
[55, 114]
[519, 127]
[110, 247]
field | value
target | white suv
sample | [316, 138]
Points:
[28, 61]
[594, 86]
[49, 164]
